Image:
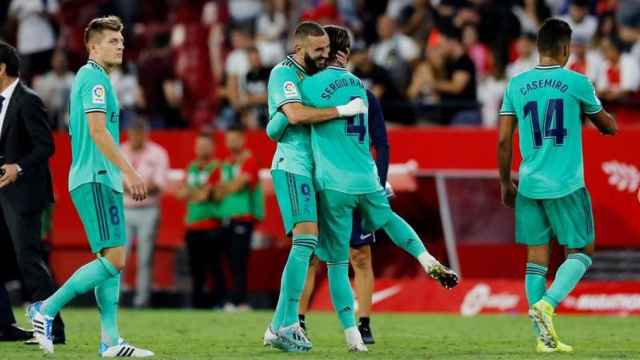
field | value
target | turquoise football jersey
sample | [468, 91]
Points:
[91, 91]
[293, 151]
[548, 103]
[341, 147]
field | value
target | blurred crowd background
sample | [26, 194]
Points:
[195, 63]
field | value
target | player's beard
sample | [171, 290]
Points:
[314, 65]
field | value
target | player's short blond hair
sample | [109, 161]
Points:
[98, 25]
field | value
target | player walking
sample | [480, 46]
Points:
[96, 177]
[547, 104]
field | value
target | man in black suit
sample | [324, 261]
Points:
[26, 143]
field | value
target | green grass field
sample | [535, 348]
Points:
[185, 334]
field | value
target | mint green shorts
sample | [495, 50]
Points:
[296, 196]
[335, 214]
[101, 211]
[569, 219]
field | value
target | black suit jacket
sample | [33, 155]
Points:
[26, 139]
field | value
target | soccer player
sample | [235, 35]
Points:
[546, 103]
[292, 173]
[98, 170]
[360, 244]
[347, 180]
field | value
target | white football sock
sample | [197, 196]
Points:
[427, 261]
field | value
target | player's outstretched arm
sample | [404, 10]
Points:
[605, 122]
[505, 155]
[106, 145]
[297, 113]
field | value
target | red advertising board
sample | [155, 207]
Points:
[476, 296]
[611, 171]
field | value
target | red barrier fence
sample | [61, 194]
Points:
[610, 168]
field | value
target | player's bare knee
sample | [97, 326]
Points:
[588, 250]
[360, 259]
[305, 228]
[115, 256]
[538, 255]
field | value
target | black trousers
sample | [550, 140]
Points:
[24, 235]
[237, 237]
[204, 249]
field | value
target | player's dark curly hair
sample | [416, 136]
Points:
[553, 35]
[339, 39]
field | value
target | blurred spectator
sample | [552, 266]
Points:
[253, 92]
[237, 61]
[374, 77]
[394, 51]
[629, 17]
[478, 52]
[416, 19]
[396, 7]
[125, 84]
[457, 91]
[426, 74]
[241, 207]
[527, 55]
[54, 87]
[36, 38]
[619, 77]
[245, 11]
[584, 60]
[490, 93]
[203, 236]
[151, 161]
[607, 26]
[237, 67]
[582, 24]
[271, 27]
[161, 91]
[367, 13]
[532, 13]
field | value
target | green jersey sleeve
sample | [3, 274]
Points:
[283, 86]
[586, 94]
[94, 93]
[507, 105]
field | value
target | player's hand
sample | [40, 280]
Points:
[508, 192]
[9, 174]
[354, 107]
[136, 187]
[342, 58]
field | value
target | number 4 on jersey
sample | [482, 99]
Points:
[557, 131]
[356, 125]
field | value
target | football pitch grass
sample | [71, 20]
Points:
[189, 334]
